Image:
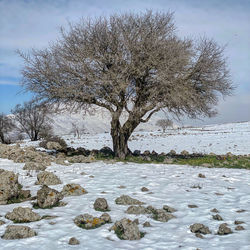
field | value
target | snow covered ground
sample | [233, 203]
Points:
[224, 189]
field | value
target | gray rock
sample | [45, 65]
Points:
[144, 189]
[217, 217]
[13, 232]
[224, 229]
[47, 178]
[199, 228]
[138, 210]
[201, 175]
[237, 222]
[127, 200]
[87, 221]
[73, 190]
[214, 210]
[22, 215]
[239, 228]
[162, 215]
[48, 197]
[168, 161]
[53, 145]
[136, 221]
[192, 206]
[106, 217]
[146, 224]
[125, 229]
[101, 204]
[34, 166]
[2, 222]
[74, 241]
[169, 209]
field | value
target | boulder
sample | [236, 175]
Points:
[217, 217]
[52, 145]
[146, 224]
[138, 210]
[22, 215]
[73, 190]
[48, 197]
[34, 166]
[47, 178]
[214, 210]
[101, 204]
[184, 153]
[126, 229]
[224, 229]
[127, 200]
[13, 232]
[9, 186]
[106, 217]
[144, 189]
[169, 209]
[162, 215]
[199, 228]
[87, 221]
[239, 228]
[74, 241]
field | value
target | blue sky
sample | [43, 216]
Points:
[29, 24]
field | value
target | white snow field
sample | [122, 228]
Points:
[227, 190]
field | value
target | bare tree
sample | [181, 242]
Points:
[6, 126]
[77, 129]
[32, 119]
[129, 62]
[164, 123]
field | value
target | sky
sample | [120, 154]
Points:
[27, 24]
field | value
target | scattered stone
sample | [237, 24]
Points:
[91, 176]
[146, 224]
[224, 229]
[201, 175]
[34, 166]
[126, 229]
[217, 217]
[101, 204]
[218, 194]
[127, 200]
[83, 173]
[87, 221]
[106, 217]
[13, 232]
[24, 194]
[144, 189]
[199, 228]
[138, 210]
[241, 211]
[74, 241]
[214, 210]
[47, 178]
[237, 222]
[49, 217]
[162, 215]
[198, 235]
[239, 228]
[184, 153]
[22, 215]
[192, 206]
[73, 190]
[52, 223]
[81, 159]
[169, 209]
[136, 221]
[48, 197]
[2, 222]
[122, 187]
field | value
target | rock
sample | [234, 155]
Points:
[152, 209]
[198, 235]
[241, 211]
[138, 210]
[239, 228]
[172, 152]
[106, 151]
[48, 197]
[24, 194]
[237, 222]
[224, 229]
[214, 210]
[87, 221]
[162, 215]
[127, 200]
[184, 153]
[122, 187]
[101, 204]
[125, 229]
[9, 186]
[106, 217]
[1, 222]
[136, 221]
[146, 153]
[201, 175]
[137, 153]
[144, 189]
[13, 232]
[52, 145]
[168, 161]
[192, 206]
[146, 224]
[169, 209]
[199, 228]
[74, 241]
[47, 178]
[34, 166]
[206, 165]
[73, 190]
[22, 215]
[217, 217]
[81, 159]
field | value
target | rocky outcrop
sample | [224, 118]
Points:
[73, 190]
[13, 232]
[22, 215]
[47, 178]
[126, 229]
[101, 204]
[127, 200]
[34, 166]
[169, 209]
[138, 210]
[198, 228]
[162, 215]
[48, 197]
